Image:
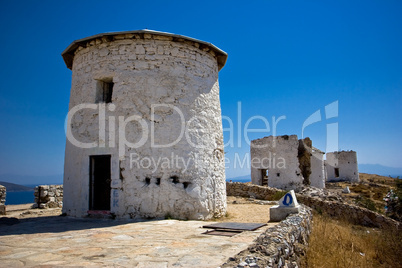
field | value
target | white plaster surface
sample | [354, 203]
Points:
[279, 156]
[147, 71]
[346, 161]
[317, 176]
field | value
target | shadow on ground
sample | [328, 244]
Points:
[54, 224]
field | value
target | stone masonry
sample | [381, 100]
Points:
[2, 200]
[48, 196]
[278, 164]
[336, 208]
[342, 166]
[280, 246]
[159, 127]
[285, 162]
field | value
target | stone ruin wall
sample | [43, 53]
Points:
[2, 200]
[291, 163]
[48, 196]
[278, 155]
[304, 155]
[279, 246]
[346, 164]
[317, 176]
[149, 69]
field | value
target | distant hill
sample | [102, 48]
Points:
[32, 180]
[380, 170]
[11, 187]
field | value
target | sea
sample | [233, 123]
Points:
[17, 198]
[239, 180]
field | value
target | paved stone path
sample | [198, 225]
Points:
[56, 241]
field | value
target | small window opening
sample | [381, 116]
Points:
[104, 91]
[158, 181]
[337, 172]
[147, 181]
[175, 179]
[278, 174]
[186, 184]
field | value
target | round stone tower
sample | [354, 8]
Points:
[144, 130]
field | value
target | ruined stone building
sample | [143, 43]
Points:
[144, 132]
[285, 162]
[342, 166]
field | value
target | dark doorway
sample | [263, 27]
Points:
[99, 182]
[337, 172]
[264, 175]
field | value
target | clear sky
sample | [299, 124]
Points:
[286, 58]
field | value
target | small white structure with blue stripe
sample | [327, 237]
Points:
[287, 205]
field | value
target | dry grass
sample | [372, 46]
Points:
[339, 244]
[369, 193]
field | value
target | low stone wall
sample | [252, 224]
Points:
[351, 213]
[279, 246]
[2, 200]
[48, 196]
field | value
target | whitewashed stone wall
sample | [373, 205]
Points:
[278, 155]
[290, 162]
[149, 69]
[317, 177]
[345, 162]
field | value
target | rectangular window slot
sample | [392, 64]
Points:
[104, 91]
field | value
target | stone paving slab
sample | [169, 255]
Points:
[62, 241]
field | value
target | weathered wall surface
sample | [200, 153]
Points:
[279, 246]
[146, 70]
[48, 196]
[345, 162]
[278, 155]
[317, 177]
[336, 209]
[2, 200]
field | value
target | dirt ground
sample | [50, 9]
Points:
[244, 210]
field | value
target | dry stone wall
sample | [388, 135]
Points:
[48, 196]
[279, 246]
[336, 209]
[2, 200]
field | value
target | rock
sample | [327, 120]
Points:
[346, 190]
[242, 264]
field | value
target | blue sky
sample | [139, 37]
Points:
[286, 58]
